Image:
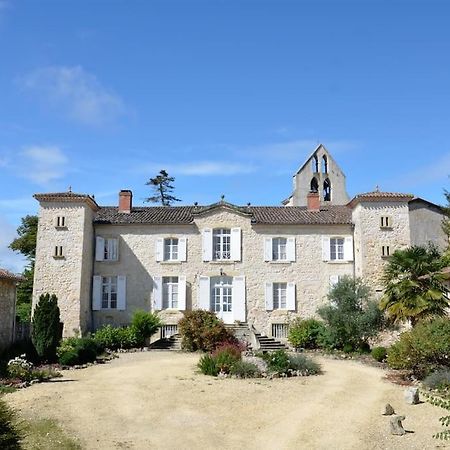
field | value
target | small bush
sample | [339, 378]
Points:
[202, 330]
[20, 368]
[438, 380]
[278, 361]
[78, 351]
[305, 333]
[144, 324]
[379, 353]
[244, 369]
[10, 435]
[423, 349]
[303, 364]
[113, 338]
[207, 365]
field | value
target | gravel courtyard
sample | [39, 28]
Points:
[157, 400]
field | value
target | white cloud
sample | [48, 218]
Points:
[43, 164]
[76, 93]
[203, 168]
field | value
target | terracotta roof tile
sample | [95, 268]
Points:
[6, 275]
[378, 195]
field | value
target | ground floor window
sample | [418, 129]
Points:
[170, 292]
[279, 295]
[109, 292]
[280, 330]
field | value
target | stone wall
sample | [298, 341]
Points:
[7, 312]
[69, 277]
[369, 237]
[137, 262]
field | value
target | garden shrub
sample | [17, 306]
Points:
[207, 365]
[351, 318]
[10, 435]
[23, 370]
[278, 360]
[304, 333]
[144, 324]
[303, 364]
[439, 380]
[46, 328]
[78, 351]
[423, 349]
[113, 338]
[244, 369]
[379, 353]
[226, 355]
[202, 330]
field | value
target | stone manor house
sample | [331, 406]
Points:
[257, 264]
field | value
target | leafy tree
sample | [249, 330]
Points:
[163, 189]
[46, 328]
[26, 244]
[413, 285]
[351, 318]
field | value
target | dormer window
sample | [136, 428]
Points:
[60, 222]
[221, 244]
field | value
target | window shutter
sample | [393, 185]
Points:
[99, 249]
[182, 293]
[290, 249]
[238, 296]
[157, 293]
[182, 253]
[269, 295]
[268, 249]
[290, 297]
[348, 248]
[334, 279]
[159, 249]
[113, 249]
[325, 248]
[235, 244]
[121, 293]
[97, 293]
[204, 293]
[207, 244]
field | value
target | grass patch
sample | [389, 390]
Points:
[6, 389]
[47, 434]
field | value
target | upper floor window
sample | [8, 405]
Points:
[336, 249]
[106, 249]
[58, 253]
[385, 222]
[279, 246]
[170, 292]
[60, 222]
[221, 243]
[279, 295]
[385, 251]
[170, 249]
[109, 292]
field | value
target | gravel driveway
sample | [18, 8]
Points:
[157, 400]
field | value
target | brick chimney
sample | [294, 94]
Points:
[125, 201]
[313, 201]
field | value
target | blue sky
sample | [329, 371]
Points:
[228, 96]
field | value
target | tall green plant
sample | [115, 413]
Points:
[145, 324]
[46, 327]
[444, 403]
[413, 285]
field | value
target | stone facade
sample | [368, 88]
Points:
[8, 283]
[369, 228]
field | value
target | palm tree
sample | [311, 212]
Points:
[413, 285]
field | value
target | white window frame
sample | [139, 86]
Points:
[170, 292]
[337, 244]
[278, 244]
[280, 295]
[280, 330]
[109, 293]
[171, 249]
[221, 244]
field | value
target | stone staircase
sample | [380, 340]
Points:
[241, 331]
[269, 344]
[171, 343]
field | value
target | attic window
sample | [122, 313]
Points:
[324, 164]
[315, 164]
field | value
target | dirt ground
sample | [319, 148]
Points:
[158, 400]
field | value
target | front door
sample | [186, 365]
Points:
[222, 298]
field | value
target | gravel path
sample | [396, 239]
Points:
[157, 400]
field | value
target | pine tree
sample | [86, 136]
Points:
[163, 189]
[46, 328]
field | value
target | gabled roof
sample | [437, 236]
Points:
[185, 215]
[417, 200]
[67, 197]
[376, 196]
[330, 157]
[6, 275]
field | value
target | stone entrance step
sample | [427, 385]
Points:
[267, 344]
[170, 343]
